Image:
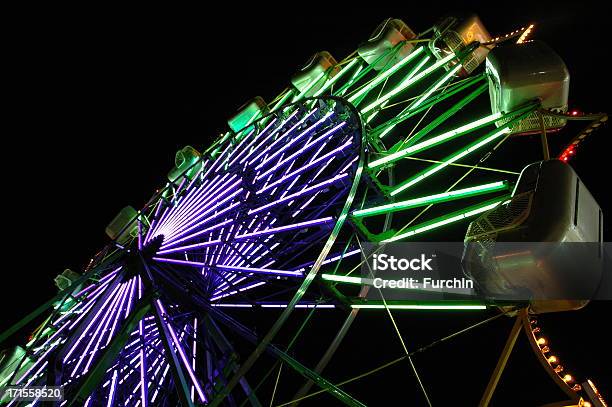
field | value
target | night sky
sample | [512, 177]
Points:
[99, 100]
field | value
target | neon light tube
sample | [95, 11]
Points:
[333, 80]
[286, 228]
[445, 220]
[436, 86]
[323, 138]
[202, 202]
[111, 391]
[303, 168]
[459, 131]
[310, 85]
[293, 141]
[420, 307]
[450, 159]
[181, 352]
[298, 194]
[258, 270]
[283, 135]
[402, 86]
[344, 279]
[173, 242]
[432, 199]
[384, 75]
[91, 323]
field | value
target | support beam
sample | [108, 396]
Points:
[250, 336]
[183, 389]
[226, 347]
[501, 362]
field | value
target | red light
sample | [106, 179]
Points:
[575, 113]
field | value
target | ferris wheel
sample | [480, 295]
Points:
[411, 137]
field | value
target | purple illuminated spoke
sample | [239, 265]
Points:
[219, 161]
[173, 212]
[121, 307]
[248, 250]
[103, 280]
[313, 164]
[112, 313]
[161, 380]
[299, 194]
[190, 247]
[256, 270]
[242, 150]
[111, 391]
[182, 236]
[91, 348]
[155, 217]
[293, 141]
[239, 290]
[131, 291]
[208, 208]
[282, 137]
[173, 242]
[193, 353]
[268, 137]
[202, 195]
[181, 262]
[286, 228]
[273, 305]
[324, 138]
[202, 202]
[181, 352]
[240, 147]
[266, 231]
[141, 329]
[91, 323]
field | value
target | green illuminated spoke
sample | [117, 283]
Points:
[311, 85]
[358, 75]
[413, 72]
[405, 114]
[352, 80]
[407, 305]
[447, 219]
[345, 279]
[385, 74]
[434, 141]
[407, 83]
[282, 101]
[471, 167]
[435, 87]
[486, 139]
[432, 199]
[443, 117]
[332, 81]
